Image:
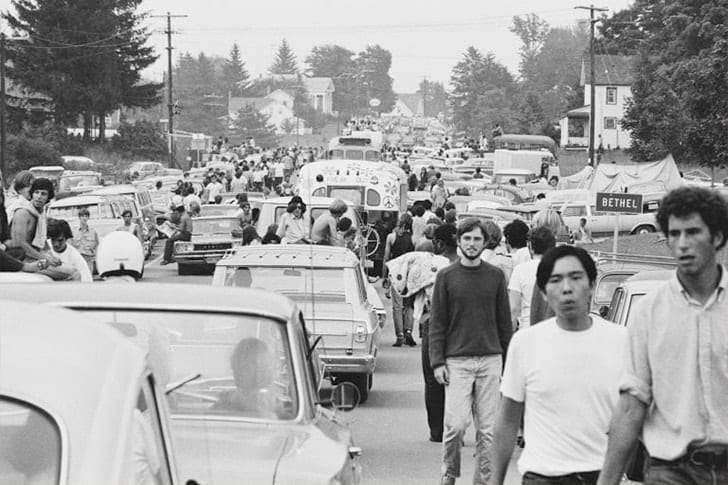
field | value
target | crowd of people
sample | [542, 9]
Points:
[509, 344]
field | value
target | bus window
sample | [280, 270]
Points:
[337, 154]
[373, 198]
[354, 155]
[372, 156]
[355, 195]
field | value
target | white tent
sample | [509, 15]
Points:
[658, 176]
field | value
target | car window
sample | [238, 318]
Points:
[150, 447]
[215, 226]
[630, 311]
[244, 361]
[615, 305]
[30, 444]
[574, 211]
[607, 285]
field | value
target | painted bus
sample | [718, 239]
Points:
[358, 145]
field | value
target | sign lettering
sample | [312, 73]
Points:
[619, 202]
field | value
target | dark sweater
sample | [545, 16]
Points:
[470, 315]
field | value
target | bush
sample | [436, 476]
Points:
[25, 151]
[141, 140]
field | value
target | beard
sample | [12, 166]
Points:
[471, 256]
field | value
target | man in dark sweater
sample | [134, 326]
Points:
[469, 333]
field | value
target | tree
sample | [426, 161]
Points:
[626, 30]
[285, 61]
[337, 63]
[86, 56]
[199, 93]
[529, 115]
[235, 77]
[373, 65]
[679, 104]
[434, 96]
[250, 123]
[143, 139]
[532, 31]
[482, 90]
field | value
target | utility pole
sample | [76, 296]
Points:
[170, 95]
[592, 90]
[424, 97]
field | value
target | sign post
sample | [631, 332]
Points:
[618, 203]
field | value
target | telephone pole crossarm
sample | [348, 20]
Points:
[592, 90]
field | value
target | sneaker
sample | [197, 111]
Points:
[165, 263]
[408, 340]
[447, 480]
[398, 342]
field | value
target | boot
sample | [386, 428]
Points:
[398, 342]
[409, 340]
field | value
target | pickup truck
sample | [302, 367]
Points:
[602, 223]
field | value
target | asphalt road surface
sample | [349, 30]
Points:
[391, 428]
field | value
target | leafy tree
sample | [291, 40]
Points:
[533, 32]
[434, 96]
[86, 56]
[530, 118]
[337, 63]
[482, 90]
[250, 123]
[288, 126]
[625, 31]
[373, 64]
[199, 94]
[25, 151]
[679, 104]
[143, 139]
[285, 61]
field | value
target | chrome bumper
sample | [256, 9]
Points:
[349, 364]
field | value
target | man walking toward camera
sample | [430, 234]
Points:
[470, 329]
[674, 391]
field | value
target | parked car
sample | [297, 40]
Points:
[331, 288]
[630, 291]
[142, 170]
[602, 223]
[77, 182]
[212, 237]
[208, 210]
[611, 272]
[287, 438]
[60, 419]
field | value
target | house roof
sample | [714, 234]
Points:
[413, 101]
[316, 85]
[582, 112]
[609, 70]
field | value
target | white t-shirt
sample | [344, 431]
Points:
[215, 189]
[522, 281]
[569, 382]
[71, 258]
[520, 256]
[278, 170]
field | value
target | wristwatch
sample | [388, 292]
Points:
[42, 264]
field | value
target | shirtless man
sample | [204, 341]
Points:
[324, 228]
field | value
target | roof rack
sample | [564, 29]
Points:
[608, 257]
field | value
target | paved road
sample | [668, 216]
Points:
[391, 428]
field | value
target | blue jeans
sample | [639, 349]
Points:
[401, 314]
[473, 388]
[584, 478]
[679, 472]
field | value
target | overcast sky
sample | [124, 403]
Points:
[425, 37]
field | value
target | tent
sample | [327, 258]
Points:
[642, 178]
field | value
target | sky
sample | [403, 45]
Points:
[426, 37]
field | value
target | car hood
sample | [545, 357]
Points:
[231, 453]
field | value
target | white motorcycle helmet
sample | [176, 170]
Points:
[120, 254]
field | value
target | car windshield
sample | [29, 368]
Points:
[217, 210]
[606, 287]
[244, 361]
[73, 181]
[215, 226]
[327, 284]
[30, 444]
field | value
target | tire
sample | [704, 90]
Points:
[371, 381]
[362, 383]
[644, 229]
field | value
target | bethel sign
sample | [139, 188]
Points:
[619, 202]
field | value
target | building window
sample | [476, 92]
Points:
[611, 95]
[610, 123]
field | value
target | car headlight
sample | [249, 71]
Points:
[360, 334]
[183, 247]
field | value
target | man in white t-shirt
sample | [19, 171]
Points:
[523, 278]
[215, 188]
[516, 234]
[564, 373]
[59, 233]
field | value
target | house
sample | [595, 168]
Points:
[320, 93]
[408, 105]
[277, 106]
[613, 78]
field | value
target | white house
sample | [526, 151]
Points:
[613, 78]
[320, 93]
[277, 106]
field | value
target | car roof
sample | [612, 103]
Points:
[64, 363]
[116, 189]
[309, 201]
[76, 201]
[198, 298]
[291, 255]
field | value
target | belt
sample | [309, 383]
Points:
[585, 476]
[713, 457]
